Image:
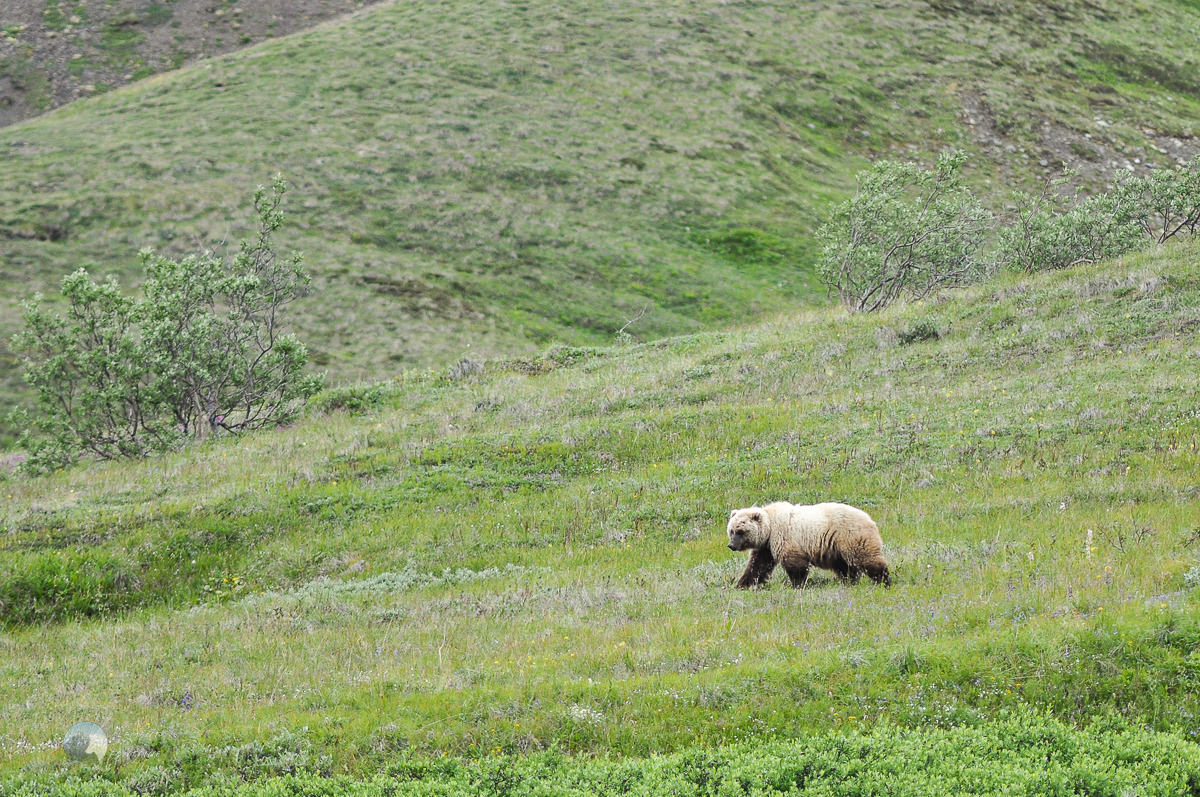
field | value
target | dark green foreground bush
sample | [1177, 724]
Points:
[1023, 754]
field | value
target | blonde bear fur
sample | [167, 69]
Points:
[832, 536]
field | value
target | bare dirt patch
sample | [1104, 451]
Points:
[1095, 154]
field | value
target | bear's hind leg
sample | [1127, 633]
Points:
[758, 569]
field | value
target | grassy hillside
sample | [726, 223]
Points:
[55, 51]
[534, 557]
[498, 174]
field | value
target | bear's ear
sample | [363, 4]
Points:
[732, 512]
[757, 517]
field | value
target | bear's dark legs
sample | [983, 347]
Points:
[797, 569]
[758, 569]
[838, 564]
[878, 572]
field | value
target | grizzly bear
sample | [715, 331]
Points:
[832, 536]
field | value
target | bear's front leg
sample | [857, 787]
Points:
[758, 569]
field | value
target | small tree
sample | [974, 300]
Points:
[214, 332]
[1052, 230]
[907, 231]
[1167, 201]
[203, 351]
[88, 372]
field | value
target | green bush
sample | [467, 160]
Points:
[1052, 230]
[1021, 754]
[908, 231]
[65, 584]
[1167, 202]
[202, 352]
[354, 399]
[925, 329]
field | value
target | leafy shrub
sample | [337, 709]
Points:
[908, 231]
[1022, 754]
[923, 330]
[56, 586]
[1167, 201]
[1054, 231]
[355, 399]
[202, 352]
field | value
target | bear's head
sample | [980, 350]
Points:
[746, 529]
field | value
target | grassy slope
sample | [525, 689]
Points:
[578, 500]
[498, 174]
[54, 51]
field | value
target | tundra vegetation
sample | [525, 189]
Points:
[204, 351]
[507, 574]
[507, 174]
[522, 555]
[910, 232]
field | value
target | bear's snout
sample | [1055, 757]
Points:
[732, 547]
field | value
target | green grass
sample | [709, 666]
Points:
[53, 15]
[500, 175]
[25, 75]
[119, 39]
[530, 555]
[1021, 754]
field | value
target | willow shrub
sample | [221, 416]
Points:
[203, 351]
[907, 232]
